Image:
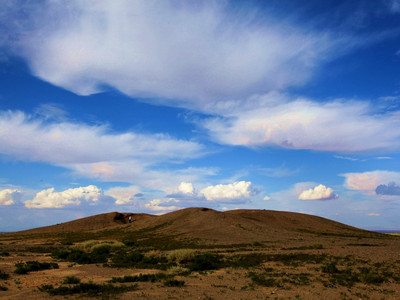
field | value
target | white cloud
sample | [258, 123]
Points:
[96, 151]
[373, 215]
[7, 196]
[267, 198]
[185, 188]
[236, 190]
[159, 205]
[278, 120]
[68, 143]
[369, 181]
[319, 192]
[122, 195]
[50, 199]
[186, 51]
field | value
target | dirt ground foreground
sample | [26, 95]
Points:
[299, 266]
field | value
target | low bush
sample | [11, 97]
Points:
[205, 261]
[71, 280]
[246, 260]
[179, 270]
[4, 276]
[98, 255]
[174, 283]
[3, 288]
[371, 277]
[181, 256]
[140, 278]
[261, 279]
[91, 289]
[32, 266]
[138, 260]
[330, 268]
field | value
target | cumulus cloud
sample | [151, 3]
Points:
[8, 196]
[320, 192]
[123, 195]
[369, 181]
[185, 188]
[186, 51]
[159, 205]
[236, 190]
[275, 119]
[50, 199]
[388, 189]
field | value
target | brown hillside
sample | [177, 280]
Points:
[210, 226]
[241, 226]
[96, 222]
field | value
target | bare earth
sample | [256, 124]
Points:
[300, 257]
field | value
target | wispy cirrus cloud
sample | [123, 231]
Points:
[178, 53]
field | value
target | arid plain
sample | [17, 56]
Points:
[199, 253]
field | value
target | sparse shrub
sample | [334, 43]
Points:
[317, 246]
[260, 279]
[4, 276]
[140, 278]
[130, 242]
[257, 244]
[3, 288]
[246, 260]
[174, 283]
[99, 255]
[181, 256]
[370, 277]
[91, 289]
[330, 268]
[179, 270]
[4, 253]
[205, 261]
[92, 245]
[127, 260]
[87, 245]
[32, 266]
[71, 280]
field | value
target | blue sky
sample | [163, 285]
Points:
[149, 106]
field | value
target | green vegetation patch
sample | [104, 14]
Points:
[348, 277]
[98, 255]
[136, 259]
[33, 266]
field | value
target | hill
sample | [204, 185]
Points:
[209, 226]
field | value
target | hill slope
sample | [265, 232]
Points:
[210, 226]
